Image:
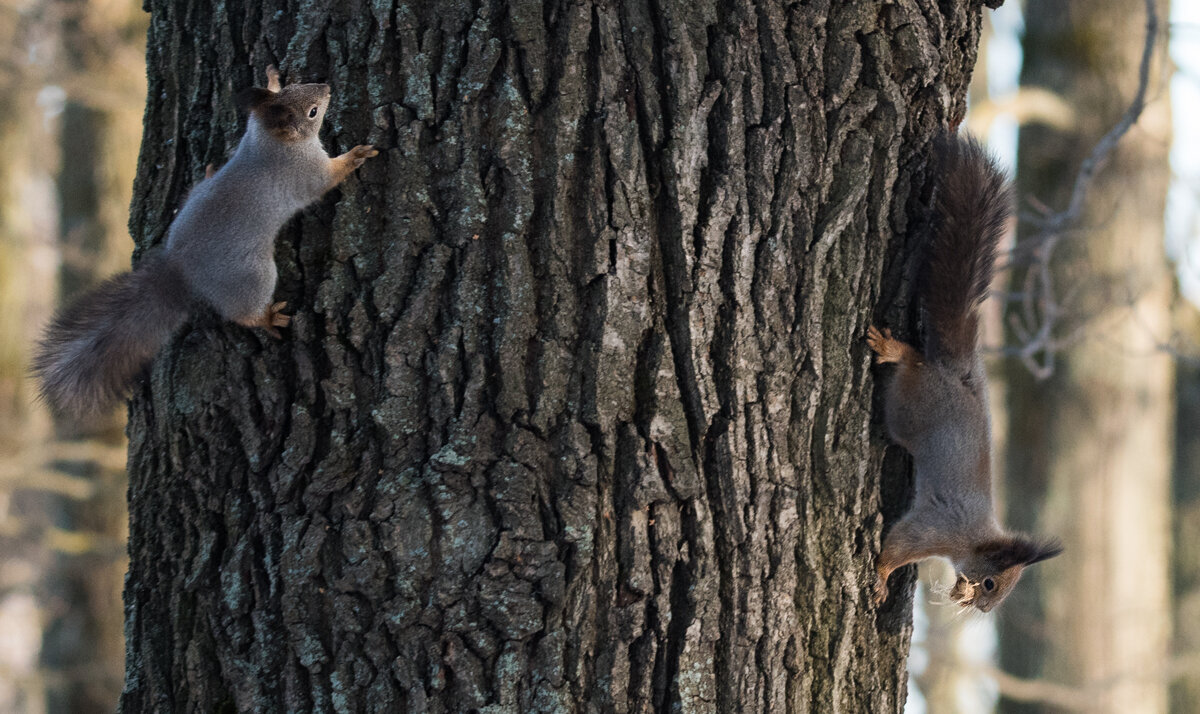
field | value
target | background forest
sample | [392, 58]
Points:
[1095, 361]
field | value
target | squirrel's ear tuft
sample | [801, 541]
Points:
[251, 98]
[1003, 553]
[1045, 550]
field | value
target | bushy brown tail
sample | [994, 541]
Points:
[95, 347]
[974, 202]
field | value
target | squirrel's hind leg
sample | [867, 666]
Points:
[907, 408]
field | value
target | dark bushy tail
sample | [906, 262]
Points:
[974, 202]
[95, 347]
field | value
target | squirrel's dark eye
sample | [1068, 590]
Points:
[989, 584]
[312, 113]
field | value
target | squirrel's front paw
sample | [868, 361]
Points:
[344, 165]
[360, 153]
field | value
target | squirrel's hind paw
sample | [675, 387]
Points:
[878, 342]
[880, 591]
[275, 318]
[270, 320]
[889, 349]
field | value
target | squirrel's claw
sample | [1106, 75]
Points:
[880, 591]
[344, 165]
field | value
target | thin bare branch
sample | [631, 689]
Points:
[1082, 697]
[1036, 321]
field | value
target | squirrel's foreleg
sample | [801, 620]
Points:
[903, 545]
[342, 166]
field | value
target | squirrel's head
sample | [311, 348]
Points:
[291, 113]
[994, 567]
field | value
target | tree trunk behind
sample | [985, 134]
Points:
[1093, 443]
[27, 228]
[100, 66]
[574, 414]
[1185, 692]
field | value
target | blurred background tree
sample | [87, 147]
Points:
[100, 68]
[27, 229]
[1090, 446]
[73, 80]
[1185, 669]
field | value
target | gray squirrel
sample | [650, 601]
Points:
[219, 250]
[936, 403]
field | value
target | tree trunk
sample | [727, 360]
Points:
[574, 414]
[1093, 442]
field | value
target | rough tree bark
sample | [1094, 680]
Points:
[574, 414]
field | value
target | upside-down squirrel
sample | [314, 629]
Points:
[936, 402]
